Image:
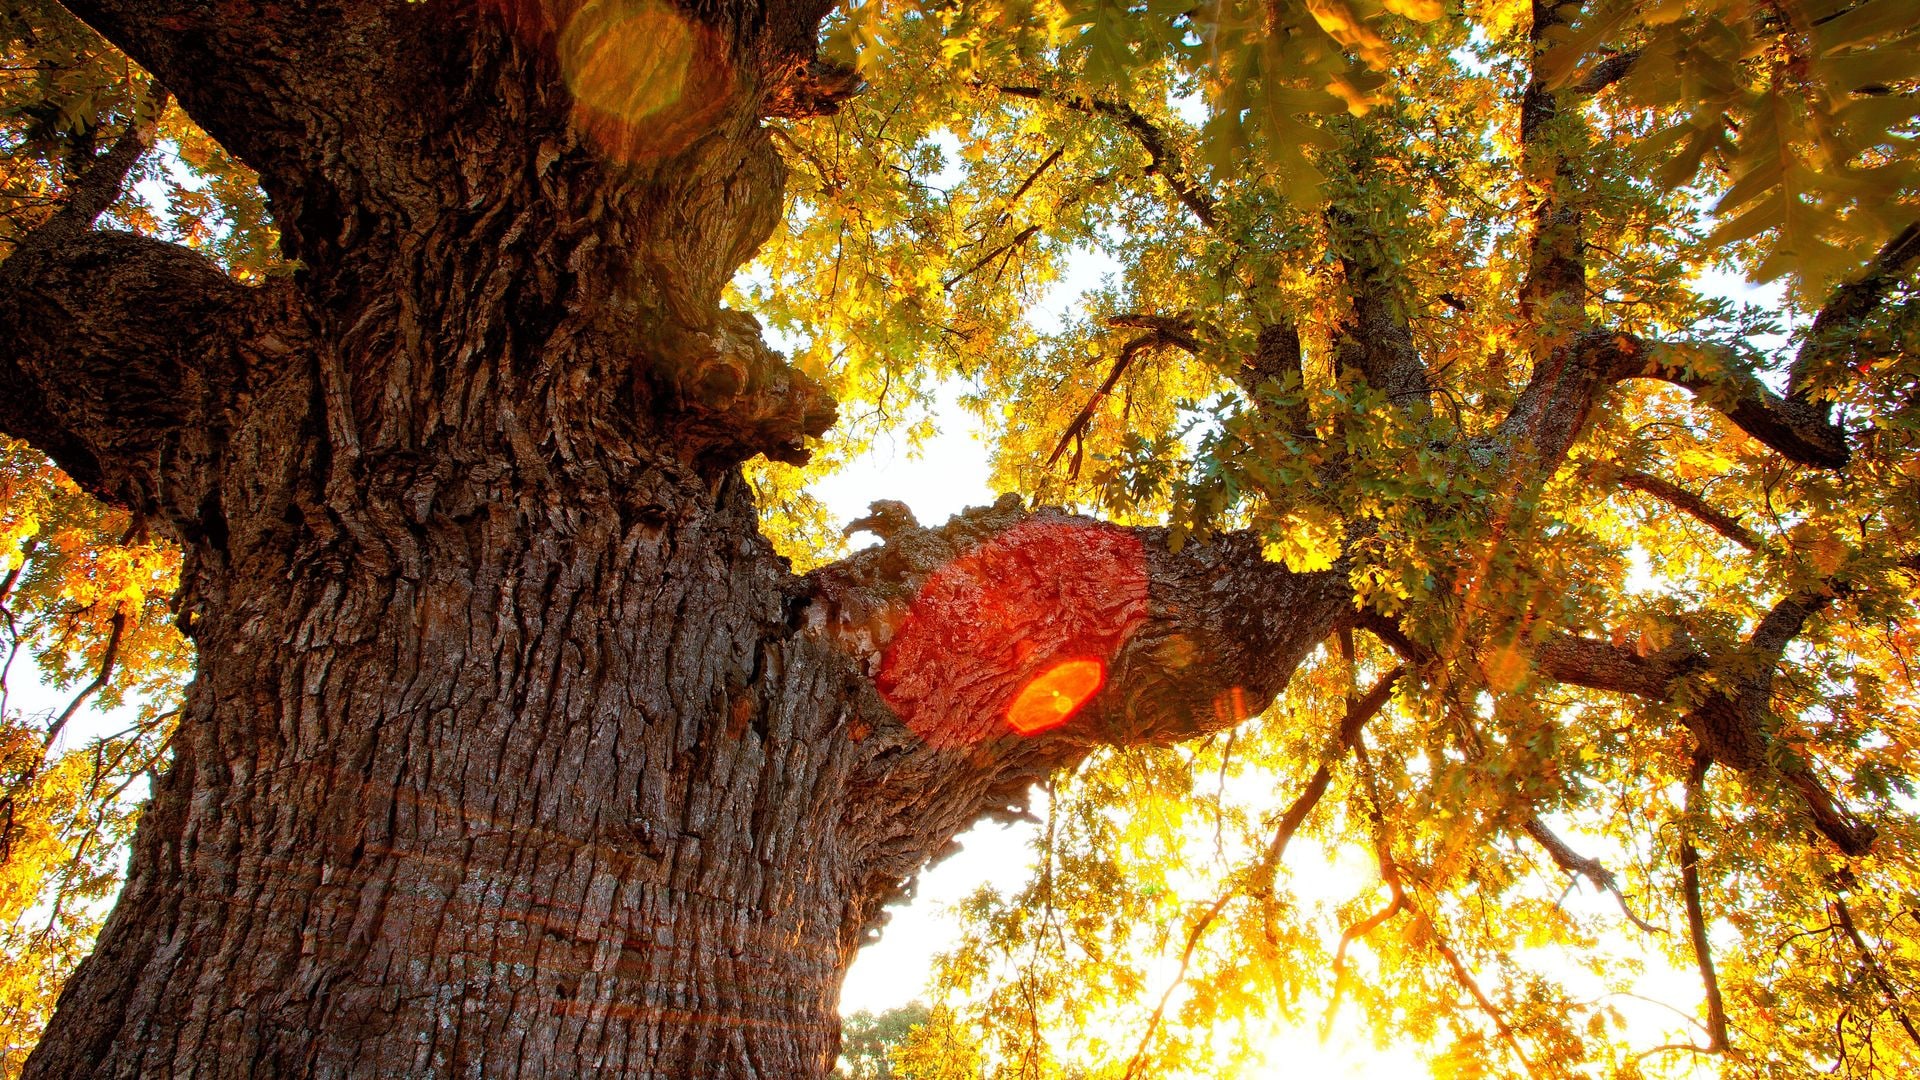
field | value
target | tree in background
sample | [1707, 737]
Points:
[909, 1042]
[513, 748]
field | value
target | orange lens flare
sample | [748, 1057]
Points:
[630, 60]
[1055, 695]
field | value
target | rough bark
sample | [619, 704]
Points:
[513, 749]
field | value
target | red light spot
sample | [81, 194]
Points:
[1046, 600]
[1055, 695]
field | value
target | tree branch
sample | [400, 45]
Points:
[1696, 912]
[271, 82]
[116, 352]
[1733, 723]
[1592, 869]
[1611, 69]
[1553, 293]
[1161, 331]
[1833, 328]
[1357, 715]
[1844, 916]
[1566, 381]
[1401, 901]
[1278, 361]
[1375, 338]
[115, 347]
[1798, 430]
[1686, 502]
[1553, 408]
[101, 181]
[1358, 712]
[109, 658]
[1161, 158]
[958, 626]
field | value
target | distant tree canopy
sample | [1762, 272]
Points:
[1441, 302]
[868, 1042]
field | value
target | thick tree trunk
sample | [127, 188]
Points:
[564, 803]
[513, 748]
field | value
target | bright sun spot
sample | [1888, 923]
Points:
[1055, 694]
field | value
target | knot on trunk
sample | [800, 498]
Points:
[812, 87]
[734, 397]
[886, 518]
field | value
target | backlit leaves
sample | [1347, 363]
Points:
[1230, 169]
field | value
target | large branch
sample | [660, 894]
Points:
[274, 83]
[115, 353]
[1554, 292]
[1375, 337]
[1797, 429]
[1568, 380]
[116, 349]
[1277, 363]
[1570, 372]
[1733, 723]
[1834, 328]
[1008, 643]
[1575, 361]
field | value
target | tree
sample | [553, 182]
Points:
[868, 1042]
[514, 748]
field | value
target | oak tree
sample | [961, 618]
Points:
[1437, 496]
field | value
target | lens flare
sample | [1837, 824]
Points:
[646, 80]
[1017, 634]
[1055, 695]
[629, 60]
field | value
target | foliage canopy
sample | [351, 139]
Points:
[1439, 296]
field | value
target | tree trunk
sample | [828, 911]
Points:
[529, 813]
[513, 749]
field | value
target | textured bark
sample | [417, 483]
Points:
[513, 749]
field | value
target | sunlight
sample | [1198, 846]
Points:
[1294, 1050]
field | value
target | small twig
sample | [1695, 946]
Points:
[1076, 431]
[1220, 796]
[107, 661]
[1186, 958]
[1152, 139]
[1690, 504]
[1466, 979]
[1028, 183]
[1007, 248]
[1357, 715]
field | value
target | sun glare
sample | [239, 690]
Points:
[1055, 695]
